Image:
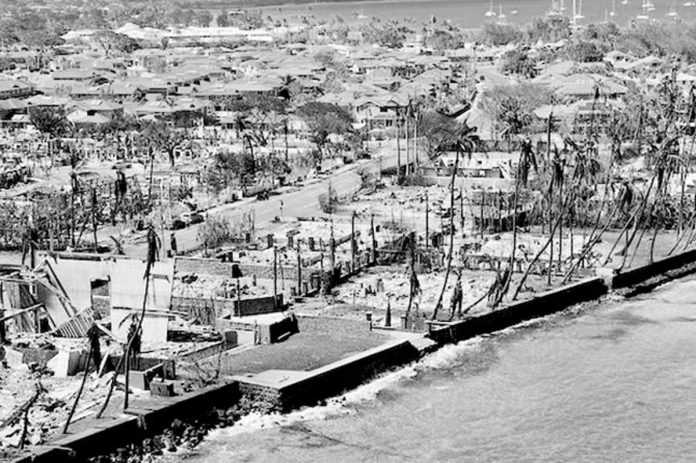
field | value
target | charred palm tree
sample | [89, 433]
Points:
[94, 354]
[153, 245]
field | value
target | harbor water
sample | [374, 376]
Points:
[610, 382]
[472, 13]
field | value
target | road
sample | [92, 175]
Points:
[297, 201]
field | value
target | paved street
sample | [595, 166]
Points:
[297, 202]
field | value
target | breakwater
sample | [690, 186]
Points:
[288, 390]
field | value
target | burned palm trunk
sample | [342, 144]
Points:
[438, 305]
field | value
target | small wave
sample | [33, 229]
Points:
[337, 406]
[346, 404]
[448, 356]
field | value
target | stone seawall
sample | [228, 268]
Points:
[108, 434]
[296, 389]
[541, 305]
[647, 277]
[309, 388]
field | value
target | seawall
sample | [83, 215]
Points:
[292, 389]
[647, 277]
[509, 315]
[289, 390]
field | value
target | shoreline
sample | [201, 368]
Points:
[187, 419]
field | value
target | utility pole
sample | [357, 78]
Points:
[461, 207]
[321, 273]
[398, 147]
[353, 244]
[275, 278]
[415, 140]
[427, 223]
[299, 270]
[332, 249]
[2, 314]
[408, 149]
[498, 226]
[94, 219]
[374, 240]
[483, 195]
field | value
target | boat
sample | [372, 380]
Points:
[646, 9]
[554, 11]
[624, 2]
[490, 13]
[673, 11]
[578, 14]
[513, 12]
[689, 4]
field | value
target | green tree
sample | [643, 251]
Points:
[223, 19]
[500, 34]
[49, 120]
[518, 62]
[584, 51]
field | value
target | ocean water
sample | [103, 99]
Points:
[471, 13]
[613, 382]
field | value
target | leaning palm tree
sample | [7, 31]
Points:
[438, 305]
[94, 354]
[465, 141]
[526, 161]
[555, 183]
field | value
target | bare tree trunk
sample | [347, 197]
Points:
[413, 271]
[79, 391]
[515, 203]
[639, 220]
[552, 231]
[398, 150]
[548, 243]
[560, 227]
[592, 240]
[451, 243]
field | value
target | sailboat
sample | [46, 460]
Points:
[673, 11]
[490, 13]
[501, 15]
[646, 8]
[579, 15]
[554, 11]
[649, 6]
[612, 13]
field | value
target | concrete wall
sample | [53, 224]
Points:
[543, 304]
[207, 310]
[154, 325]
[332, 379]
[108, 434]
[75, 272]
[640, 275]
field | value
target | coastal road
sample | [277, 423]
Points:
[297, 201]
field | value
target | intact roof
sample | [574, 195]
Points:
[98, 105]
[79, 118]
[585, 84]
[11, 84]
[44, 100]
[388, 99]
[11, 104]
